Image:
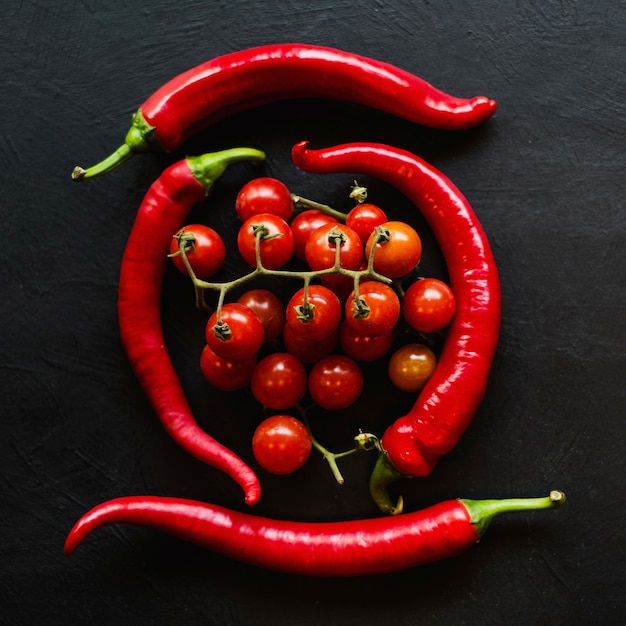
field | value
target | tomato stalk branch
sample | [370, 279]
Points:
[328, 456]
[304, 203]
[201, 286]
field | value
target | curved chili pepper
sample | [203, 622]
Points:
[446, 405]
[162, 213]
[349, 548]
[255, 76]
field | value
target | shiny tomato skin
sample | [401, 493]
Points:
[335, 382]
[306, 350]
[364, 218]
[246, 332]
[276, 246]
[279, 381]
[205, 253]
[384, 309]
[264, 195]
[281, 444]
[400, 254]
[321, 249]
[339, 284]
[410, 367]
[364, 348]
[324, 316]
[305, 223]
[269, 309]
[226, 374]
[428, 305]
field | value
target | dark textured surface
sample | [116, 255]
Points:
[545, 176]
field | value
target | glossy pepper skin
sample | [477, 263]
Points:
[161, 214]
[348, 548]
[247, 78]
[445, 407]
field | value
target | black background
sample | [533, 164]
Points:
[546, 178]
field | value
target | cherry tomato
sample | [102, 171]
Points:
[321, 248]
[264, 195]
[269, 309]
[398, 253]
[279, 381]
[364, 218]
[307, 350]
[276, 244]
[226, 374]
[362, 347]
[335, 382]
[316, 319]
[240, 334]
[428, 305]
[305, 223]
[375, 312]
[411, 366]
[204, 248]
[339, 284]
[281, 444]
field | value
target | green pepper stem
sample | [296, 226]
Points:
[207, 168]
[140, 138]
[383, 475]
[482, 512]
[122, 154]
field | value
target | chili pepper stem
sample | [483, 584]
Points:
[383, 475]
[140, 138]
[482, 512]
[207, 168]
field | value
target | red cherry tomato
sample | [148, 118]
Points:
[411, 366]
[428, 305]
[204, 248]
[364, 218]
[307, 350]
[226, 374]
[316, 319]
[281, 444]
[363, 348]
[279, 381]
[398, 253]
[375, 312]
[276, 244]
[240, 334]
[305, 223]
[264, 195]
[335, 382]
[321, 248]
[339, 284]
[269, 309]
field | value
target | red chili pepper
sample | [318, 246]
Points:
[161, 214]
[349, 548]
[446, 405]
[255, 76]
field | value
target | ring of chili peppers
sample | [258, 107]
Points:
[412, 444]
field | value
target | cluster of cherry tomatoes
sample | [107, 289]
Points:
[346, 312]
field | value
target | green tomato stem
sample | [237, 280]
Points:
[328, 456]
[304, 203]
